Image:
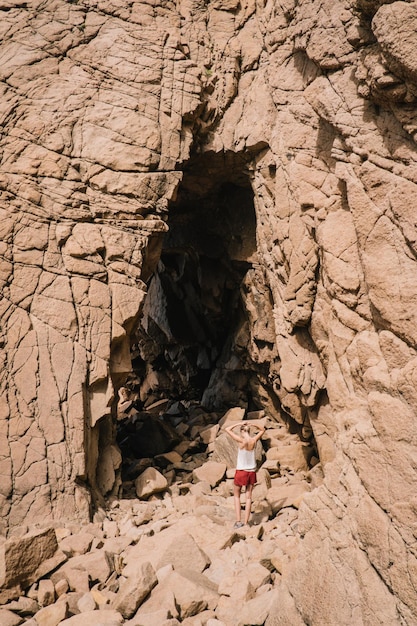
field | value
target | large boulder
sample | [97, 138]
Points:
[211, 472]
[193, 592]
[291, 457]
[168, 547]
[150, 482]
[96, 566]
[135, 589]
[26, 559]
[283, 496]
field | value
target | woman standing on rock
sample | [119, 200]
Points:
[245, 475]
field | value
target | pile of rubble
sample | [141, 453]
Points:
[166, 553]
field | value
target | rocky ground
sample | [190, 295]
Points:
[166, 552]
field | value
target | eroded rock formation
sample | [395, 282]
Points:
[289, 125]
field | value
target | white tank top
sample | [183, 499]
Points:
[246, 460]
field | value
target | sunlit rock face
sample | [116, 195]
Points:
[286, 131]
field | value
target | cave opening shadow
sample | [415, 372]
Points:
[193, 351]
[190, 348]
[186, 345]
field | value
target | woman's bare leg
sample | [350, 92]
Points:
[236, 493]
[248, 504]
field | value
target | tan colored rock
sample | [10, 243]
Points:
[101, 598]
[170, 546]
[116, 545]
[77, 579]
[46, 592]
[150, 482]
[281, 497]
[8, 618]
[232, 415]
[271, 466]
[237, 587]
[263, 476]
[75, 545]
[101, 107]
[107, 617]
[193, 592]
[23, 559]
[211, 472]
[162, 598]
[282, 611]
[98, 566]
[208, 434]
[258, 575]
[109, 462]
[135, 589]
[254, 611]
[52, 615]
[396, 38]
[261, 511]
[201, 619]
[149, 619]
[290, 457]
[86, 603]
[110, 529]
[23, 606]
[168, 457]
[61, 587]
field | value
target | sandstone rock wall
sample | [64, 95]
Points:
[103, 104]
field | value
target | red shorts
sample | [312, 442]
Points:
[244, 478]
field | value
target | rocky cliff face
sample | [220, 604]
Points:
[226, 189]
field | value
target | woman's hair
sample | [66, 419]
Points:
[245, 428]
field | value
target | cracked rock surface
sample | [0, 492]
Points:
[170, 170]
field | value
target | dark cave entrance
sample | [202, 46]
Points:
[194, 308]
[190, 348]
[192, 354]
